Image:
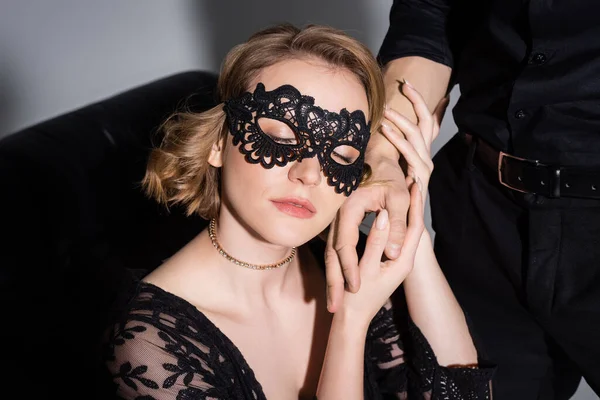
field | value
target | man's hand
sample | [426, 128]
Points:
[388, 191]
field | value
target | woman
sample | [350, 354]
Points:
[239, 312]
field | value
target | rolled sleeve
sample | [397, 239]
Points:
[418, 28]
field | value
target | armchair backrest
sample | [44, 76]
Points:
[73, 218]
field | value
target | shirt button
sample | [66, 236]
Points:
[538, 59]
[520, 114]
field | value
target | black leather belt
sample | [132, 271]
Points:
[533, 176]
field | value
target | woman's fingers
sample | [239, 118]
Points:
[416, 223]
[376, 241]
[421, 166]
[411, 131]
[343, 240]
[333, 273]
[403, 265]
[424, 117]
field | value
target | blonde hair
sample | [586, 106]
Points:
[178, 172]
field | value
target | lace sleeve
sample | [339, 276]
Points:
[437, 382]
[407, 370]
[386, 368]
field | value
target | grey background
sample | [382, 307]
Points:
[59, 55]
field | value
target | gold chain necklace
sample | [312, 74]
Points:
[212, 233]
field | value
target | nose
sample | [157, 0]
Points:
[307, 171]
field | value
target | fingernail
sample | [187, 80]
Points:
[382, 220]
[385, 125]
[407, 83]
[385, 107]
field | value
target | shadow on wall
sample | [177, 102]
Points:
[8, 96]
[229, 22]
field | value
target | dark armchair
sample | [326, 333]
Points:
[73, 218]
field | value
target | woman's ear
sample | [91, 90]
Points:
[216, 154]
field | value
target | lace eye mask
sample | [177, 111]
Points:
[316, 133]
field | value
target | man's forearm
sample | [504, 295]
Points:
[428, 77]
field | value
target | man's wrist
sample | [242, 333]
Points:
[379, 148]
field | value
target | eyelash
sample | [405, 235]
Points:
[293, 141]
[345, 159]
[284, 141]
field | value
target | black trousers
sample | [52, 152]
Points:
[526, 270]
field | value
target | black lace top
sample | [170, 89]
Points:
[162, 347]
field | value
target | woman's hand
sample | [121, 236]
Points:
[413, 141]
[379, 279]
[341, 258]
[430, 300]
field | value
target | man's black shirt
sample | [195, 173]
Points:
[528, 71]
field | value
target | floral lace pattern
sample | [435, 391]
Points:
[162, 347]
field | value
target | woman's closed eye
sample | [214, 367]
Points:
[345, 155]
[278, 131]
[282, 140]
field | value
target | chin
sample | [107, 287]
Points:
[289, 236]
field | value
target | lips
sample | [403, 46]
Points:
[295, 207]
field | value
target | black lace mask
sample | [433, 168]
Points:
[318, 133]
